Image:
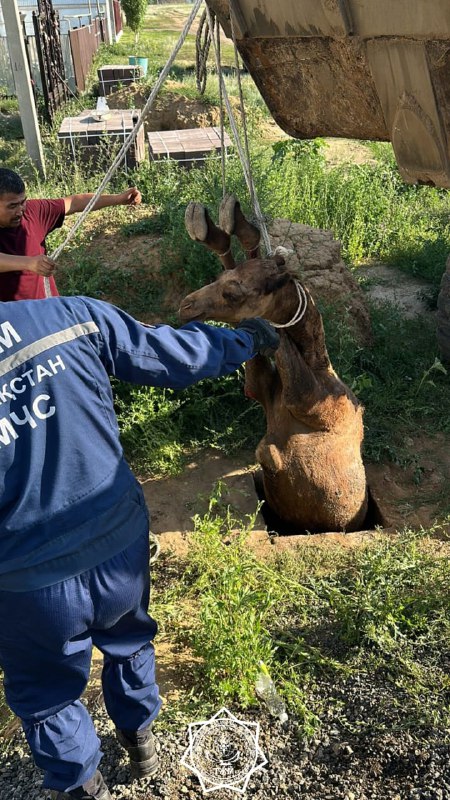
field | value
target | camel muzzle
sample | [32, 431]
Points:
[188, 313]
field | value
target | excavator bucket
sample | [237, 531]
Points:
[363, 69]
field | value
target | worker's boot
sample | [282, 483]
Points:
[140, 746]
[201, 228]
[94, 789]
[233, 222]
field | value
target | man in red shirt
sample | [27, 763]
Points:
[24, 224]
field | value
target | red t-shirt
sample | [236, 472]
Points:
[28, 239]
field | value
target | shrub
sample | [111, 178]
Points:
[135, 15]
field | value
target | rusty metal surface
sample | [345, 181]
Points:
[84, 43]
[364, 69]
[50, 56]
[118, 23]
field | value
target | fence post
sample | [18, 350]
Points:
[22, 80]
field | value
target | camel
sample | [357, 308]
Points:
[313, 473]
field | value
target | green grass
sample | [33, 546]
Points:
[316, 617]
[369, 208]
[319, 617]
[160, 32]
[161, 429]
[397, 378]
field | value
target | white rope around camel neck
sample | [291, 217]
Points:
[301, 308]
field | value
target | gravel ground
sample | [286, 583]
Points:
[359, 754]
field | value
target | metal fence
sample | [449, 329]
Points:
[87, 17]
[6, 77]
[84, 43]
[117, 16]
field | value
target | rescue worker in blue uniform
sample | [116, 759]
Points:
[74, 525]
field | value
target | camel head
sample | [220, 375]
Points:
[251, 289]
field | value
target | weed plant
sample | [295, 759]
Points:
[398, 378]
[368, 207]
[317, 617]
[395, 377]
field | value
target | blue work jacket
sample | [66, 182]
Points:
[68, 499]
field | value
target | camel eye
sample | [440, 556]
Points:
[233, 292]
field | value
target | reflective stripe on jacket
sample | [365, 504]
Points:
[68, 499]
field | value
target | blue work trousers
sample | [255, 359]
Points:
[46, 639]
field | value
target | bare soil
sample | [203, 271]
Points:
[386, 284]
[347, 151]
[410, 497]
[170, 111]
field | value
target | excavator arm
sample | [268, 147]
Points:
[362, 69]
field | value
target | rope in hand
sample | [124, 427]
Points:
[129, 140]
[244, 156]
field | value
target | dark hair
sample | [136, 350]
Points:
[10, 182]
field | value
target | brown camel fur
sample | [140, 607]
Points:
[310, 456]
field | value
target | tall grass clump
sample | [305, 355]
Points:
[368, 207]
[162, 428]
[237, 598]
[389, 594]
[233, 606]
[355, 202]
[316, 617]
[398, 377]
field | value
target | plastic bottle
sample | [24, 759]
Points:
[265, 689]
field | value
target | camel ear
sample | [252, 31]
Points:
[276, 282]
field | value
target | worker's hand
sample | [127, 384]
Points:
[131, 197]
[265, 337]
[42, 265]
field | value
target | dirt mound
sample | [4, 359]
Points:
[317, 258]
[170, 112]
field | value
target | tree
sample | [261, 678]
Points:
[135, 14]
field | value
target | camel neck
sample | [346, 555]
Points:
[300, 310]
[286, 307]
[308, 333]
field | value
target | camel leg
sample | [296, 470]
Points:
[261, 379]
[302, 393]
[201, 228]
[232, 220]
